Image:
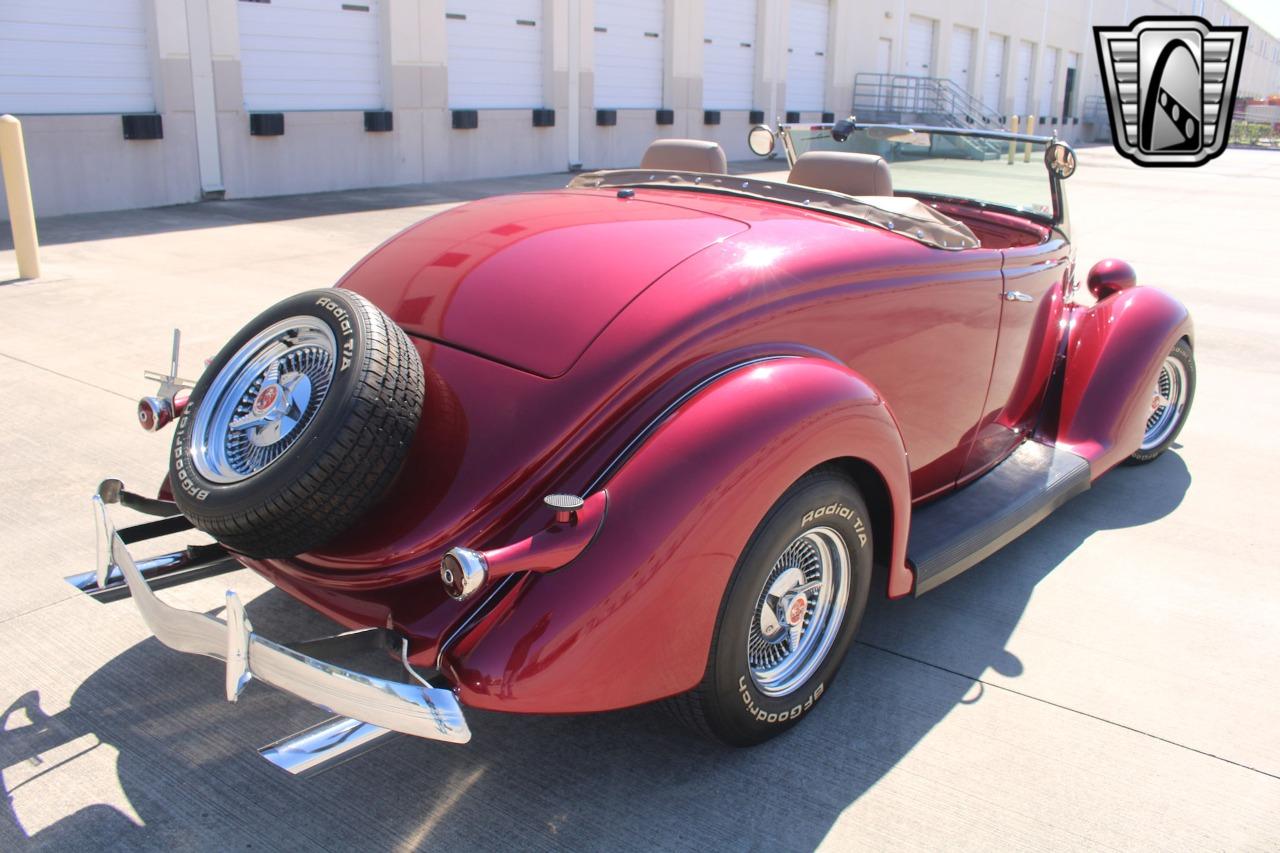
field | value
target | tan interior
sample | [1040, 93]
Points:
[843, 172]
[685, 155]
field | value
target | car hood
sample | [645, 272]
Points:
[530, 280]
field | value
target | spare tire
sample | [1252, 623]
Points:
[298, 426]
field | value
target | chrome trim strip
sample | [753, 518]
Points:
[499, 589]
[657, 421]
[412, 709]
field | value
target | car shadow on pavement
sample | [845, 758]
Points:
[619, 780]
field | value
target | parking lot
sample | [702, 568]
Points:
[1110, 680]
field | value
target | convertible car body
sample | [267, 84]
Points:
[645, 437]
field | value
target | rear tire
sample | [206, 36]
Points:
[780, 639]
[1176, 387]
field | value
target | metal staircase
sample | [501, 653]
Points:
[1095, 113]
[895, 97]
[937, 101]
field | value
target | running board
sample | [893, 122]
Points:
[963, 529]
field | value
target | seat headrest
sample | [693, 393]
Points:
[685, 155]
[842, 172]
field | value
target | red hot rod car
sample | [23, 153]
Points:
[645, 437]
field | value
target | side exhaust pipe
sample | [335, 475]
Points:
[324, 746]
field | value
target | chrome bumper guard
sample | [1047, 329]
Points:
[371, 708]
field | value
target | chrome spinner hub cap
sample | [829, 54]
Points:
[262, 401]
[1168, 399]
[799, 611]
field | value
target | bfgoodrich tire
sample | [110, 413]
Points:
[789, 616]
[298, 426]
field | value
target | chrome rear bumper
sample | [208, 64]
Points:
[370, 707]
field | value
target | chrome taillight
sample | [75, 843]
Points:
[463, 572]
[574, 524]
[158, 410]
[155, 413]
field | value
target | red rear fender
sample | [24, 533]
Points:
[644, 597]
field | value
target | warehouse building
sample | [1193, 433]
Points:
[134, 103]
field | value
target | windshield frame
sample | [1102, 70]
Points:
[1060, 219]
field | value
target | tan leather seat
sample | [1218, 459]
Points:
[842, 172]
[685, 155]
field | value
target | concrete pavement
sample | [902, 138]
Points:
[1107, 681]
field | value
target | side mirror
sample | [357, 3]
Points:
[1110, 276]
[1060, 159]
[760, 140]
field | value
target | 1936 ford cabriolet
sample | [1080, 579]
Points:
[645, 437]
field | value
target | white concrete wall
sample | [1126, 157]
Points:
[82, 163]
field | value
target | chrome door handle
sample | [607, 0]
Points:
[1018, 296]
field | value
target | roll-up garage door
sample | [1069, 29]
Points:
[628, 43]
[495, 53]
[729, 55]
[993, 71]
[961, 57]
[310, 54]
[1048, 76]
[807, 55]
[920, 46]
[75, 56]
[1022, 78]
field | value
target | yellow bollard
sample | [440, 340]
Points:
[1031, 130]
[1013, 143]
[17, 185]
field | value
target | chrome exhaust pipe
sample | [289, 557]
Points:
[324, 746]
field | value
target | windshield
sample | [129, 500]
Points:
[947, 163]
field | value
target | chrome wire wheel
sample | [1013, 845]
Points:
[799, 611]
[1168, 400]
[263, 399]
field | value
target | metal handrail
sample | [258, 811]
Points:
[907, 93]
[1002, 135]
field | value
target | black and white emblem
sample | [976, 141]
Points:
[1171, 86]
